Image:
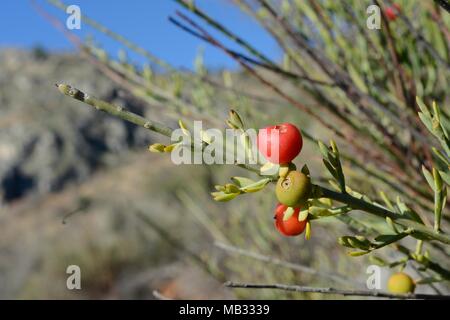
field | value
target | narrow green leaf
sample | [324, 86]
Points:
[334, 147]
[171, 147]
[445, 176]
[242, 181]
[231, 125]
[303, 215]
[305, 170]
[355, 75]
[357, 253]
[257, 186]
[429, 177]
[339, 210]
[308, 231]
[156, 147]
[401, 262]
[283, 171]
[219, 187]
[205, 137]
[231, 188]
[385, 238]
[288, 213]
[437, 181]
[387, 201]
[426, 121]
[405, 210]
[377, 260]
[392, 225]
[323, 150]
[423, 107]
[269, 168]
[441, 157]
[235, 119]
[330, 168]
[343, 241]
[318, 211]
[222, 196]
[363, 245]
[429, 280]
[334, 185]
[183, 127]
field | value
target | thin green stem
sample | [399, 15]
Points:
[213, 23]
[120, 112]
[355, 203]
[362, 293]
[419, 247]
[360, 204]
[427, 263]
[114, 110]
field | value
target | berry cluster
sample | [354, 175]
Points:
[280, 144]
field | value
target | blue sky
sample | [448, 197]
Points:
[142, 21]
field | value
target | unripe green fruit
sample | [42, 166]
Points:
[293, 189]
[401, 283]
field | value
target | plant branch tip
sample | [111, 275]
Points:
[334, 291]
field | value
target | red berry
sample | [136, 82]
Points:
[290, 227]
[280, 143]
[392, 11]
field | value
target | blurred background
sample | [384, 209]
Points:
[78, 187]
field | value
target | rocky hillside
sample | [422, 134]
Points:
[72, 183]
[46, 140]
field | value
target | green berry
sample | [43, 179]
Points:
[294, 189]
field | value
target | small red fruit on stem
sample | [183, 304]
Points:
[392, 12]
[290, 227]
[280, 143]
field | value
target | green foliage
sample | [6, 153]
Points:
[361, 88]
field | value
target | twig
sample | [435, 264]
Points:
[84, 204]
[120, 112]
[344, 82]
[355, 203]
[260, 78]
[131, 82]
[431, 285]
[194, 9]
[114, 110]
[398, 72]
[250, 95]
[420, 38]
[281, 263]
[207, 37]
[360, 204]
[444, 273]
[238, 55]
[342, 113]
[270, 85]
[330, 105]
[360, 293]
[172, 241]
